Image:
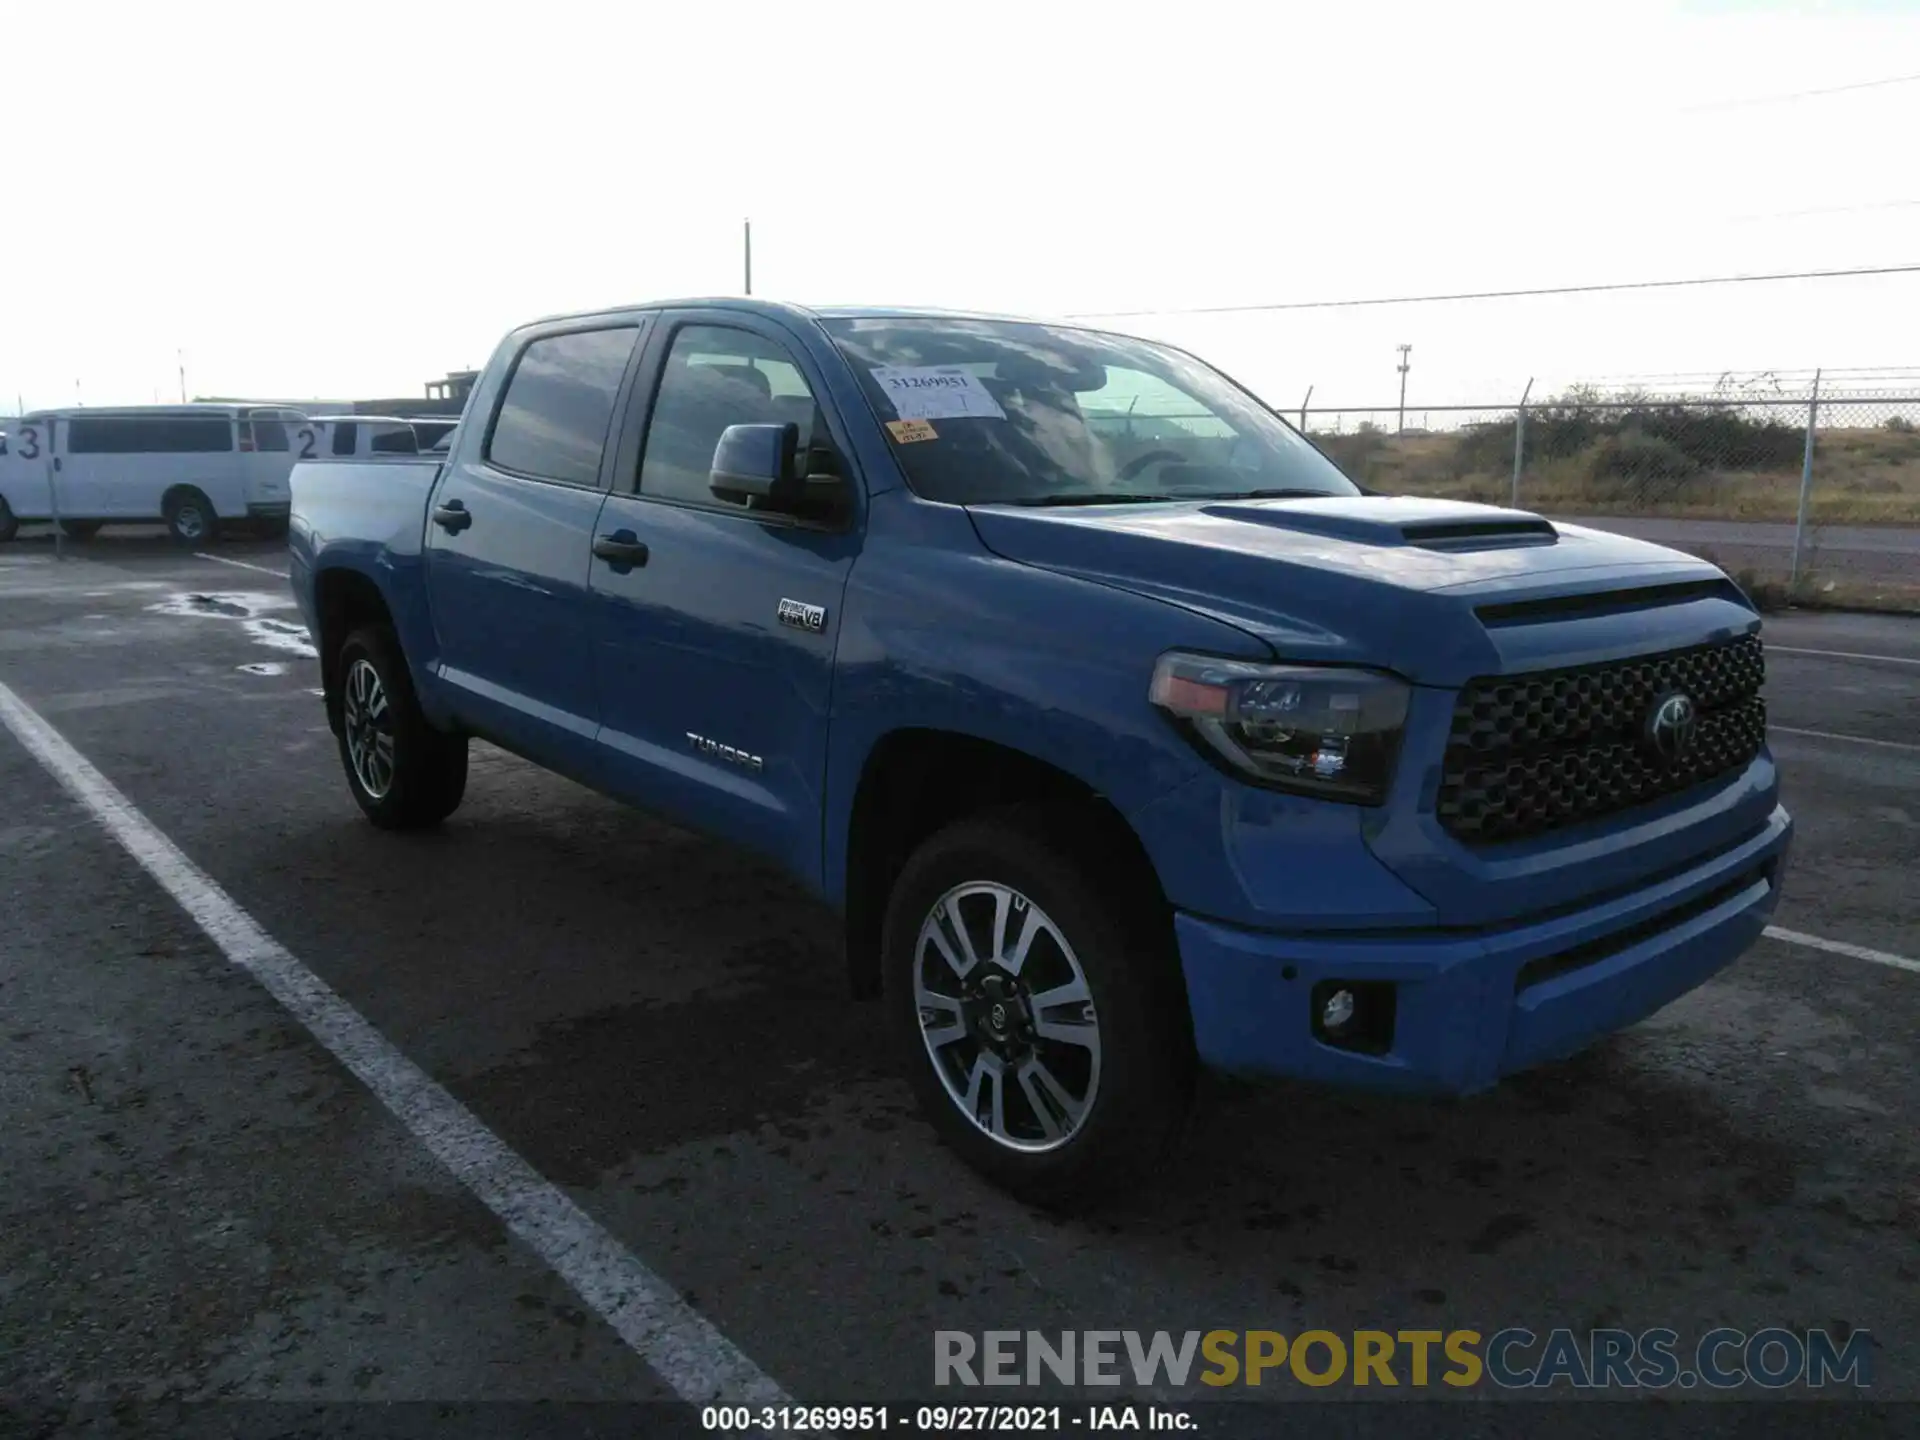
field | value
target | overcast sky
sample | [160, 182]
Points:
[341, 200]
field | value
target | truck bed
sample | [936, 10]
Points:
[374, 506]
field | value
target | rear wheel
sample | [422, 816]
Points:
[404, 774]
[9, 523]
[1039, 1014]
[190, 517]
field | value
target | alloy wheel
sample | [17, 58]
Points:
[368, 723]
[1007, 1016]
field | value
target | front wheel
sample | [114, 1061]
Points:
[404, 774]
[1040, 1015]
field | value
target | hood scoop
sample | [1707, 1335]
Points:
[1449, 525]
[1482, 535]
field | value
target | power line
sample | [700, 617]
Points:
[1799, 94]
[1779, 372]
[1828, 210]
[1498, 294]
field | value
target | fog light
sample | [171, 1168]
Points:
[1337, 1012]
[1354, 1014]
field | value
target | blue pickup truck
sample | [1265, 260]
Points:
[1123, 732]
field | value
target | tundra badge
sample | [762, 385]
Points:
[802, 616]
[725, 752]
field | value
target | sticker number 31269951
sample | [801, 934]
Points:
[935, 392]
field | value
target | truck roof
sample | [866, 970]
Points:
[787, 310]
[121, 412]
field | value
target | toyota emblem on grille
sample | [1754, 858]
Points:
[1670, 727]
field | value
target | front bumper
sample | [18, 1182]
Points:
[1473, 1006]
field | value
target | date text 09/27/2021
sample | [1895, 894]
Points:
[945, 1419]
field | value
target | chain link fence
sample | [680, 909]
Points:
[1792, 467]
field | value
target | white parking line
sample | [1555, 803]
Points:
[243, 564]
[1838, 947]
[683, 1348]
[1850, 739]
[1843, 655]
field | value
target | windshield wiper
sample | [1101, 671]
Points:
[1162, 497]
[1294, 494]
[1112, 497]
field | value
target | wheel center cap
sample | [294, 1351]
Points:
[996, 1011]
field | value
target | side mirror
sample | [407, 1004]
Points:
[757, 462]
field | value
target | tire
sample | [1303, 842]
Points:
[190, 517]
[1132, 1085]
[80, 529]
[9, 522]
[424, 774]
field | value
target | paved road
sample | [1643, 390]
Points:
[1758, 535]
[1855, 552]
[201, 1202]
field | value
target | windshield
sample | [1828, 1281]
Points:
[985, 412]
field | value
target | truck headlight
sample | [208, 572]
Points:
[1319, 729]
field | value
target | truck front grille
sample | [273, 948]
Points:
[1532, 753]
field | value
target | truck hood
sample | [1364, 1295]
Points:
[1437, 590]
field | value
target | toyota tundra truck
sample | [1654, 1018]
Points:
[1125, 735]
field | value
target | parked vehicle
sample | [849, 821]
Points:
[431, 432]
[1120, 751]
[193, 467]
[347, 436]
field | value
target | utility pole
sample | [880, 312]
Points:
[1405, 365]
[748, 237]
[1520, 440]
[1806, 486]
[181, 357]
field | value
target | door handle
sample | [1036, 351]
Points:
[622, 550]
[453, 517]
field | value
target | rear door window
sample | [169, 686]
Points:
[270, 433]
[401, 442]
[553, 420]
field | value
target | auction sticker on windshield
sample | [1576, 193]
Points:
[936, 392]
[909, 431]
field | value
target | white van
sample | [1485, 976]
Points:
[192, 467]
[433, 433]
[347, 437]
